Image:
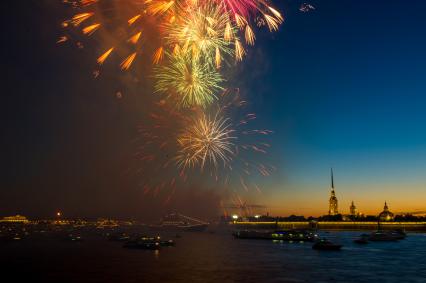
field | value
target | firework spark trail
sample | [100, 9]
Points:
[89, 30]
[125, 65]
[104, 56]
[134, 39]
[62, 39]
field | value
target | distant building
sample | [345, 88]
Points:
[353, 210]
[386, 215]
[14, 219]
[332, 203]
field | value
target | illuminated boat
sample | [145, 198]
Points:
[148, 243]
[118, 237]
[294, 235]
[280, 235]
[74, 238]
[142, 244]
[252, 234]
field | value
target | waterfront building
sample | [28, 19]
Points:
[386, 215]
[332, 203]
[353, 210]
[14, 219]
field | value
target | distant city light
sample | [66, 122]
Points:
[235, 216]
[58, 213]
[257, 216]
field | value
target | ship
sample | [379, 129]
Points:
[281, 235]
[326, 245]
[178, 222]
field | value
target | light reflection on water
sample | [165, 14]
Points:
[218, 257]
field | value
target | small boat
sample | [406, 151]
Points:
[363, 239]
[325, 244]
[145, 245]
[74, 238]
[382, 236]
[168, 243]
[120, 237]
[11, 237]
[399, 234]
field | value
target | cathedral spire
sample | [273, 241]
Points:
[332, 204]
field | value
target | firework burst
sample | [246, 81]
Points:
[207, 139]
[190, 82]
[190, 41]
[212, 145]
[200, 30]
[207, 29]
[245, 13]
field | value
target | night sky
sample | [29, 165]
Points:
[341, 86]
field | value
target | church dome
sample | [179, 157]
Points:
[386, 215]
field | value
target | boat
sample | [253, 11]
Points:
[252, 234]
[140, 244]
[74, 238]
[118, 237]
[324, 244]
[167, 243]
[280, 235]
[383, 236]
[399, 234]
[294, 235]
[9, 238]
[363, 239]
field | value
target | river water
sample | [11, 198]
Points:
[207, 257]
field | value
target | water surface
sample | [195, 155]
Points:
[206, 257]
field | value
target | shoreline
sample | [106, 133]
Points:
[333, 226]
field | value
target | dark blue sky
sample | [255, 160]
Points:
[344, 86]
[341, 86]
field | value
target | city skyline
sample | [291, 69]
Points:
[340, 86]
